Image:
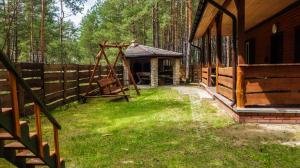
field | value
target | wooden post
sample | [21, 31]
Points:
[43, 96]
[37, 112]
[240, 91]
[56, 144]
[15, 104]
[240, 4]
[78, 83]
[129, 71]
[64, 68]
[219, 47]
[209, 58]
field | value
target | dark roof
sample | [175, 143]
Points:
[136, 50]
[199, 13]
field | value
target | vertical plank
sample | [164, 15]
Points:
[240, 91]
[78, 83]
[15, 104]
[209, 83]
[37, 112]
[219, 47]
[64, 83]
[240, 4]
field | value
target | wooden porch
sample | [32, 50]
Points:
[258, 85]
[263, 91]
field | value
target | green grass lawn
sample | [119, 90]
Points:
[157, 129]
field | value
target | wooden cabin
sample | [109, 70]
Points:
[153, 66]
[250, 57]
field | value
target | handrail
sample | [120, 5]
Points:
[8, 65]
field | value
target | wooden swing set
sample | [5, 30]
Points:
[110, 86]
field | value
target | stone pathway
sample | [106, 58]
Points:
[196, 95]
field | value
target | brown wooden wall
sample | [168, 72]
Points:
[225, 82]
[269, 85]
[55, 84]
[262, 35]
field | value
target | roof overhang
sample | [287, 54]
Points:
[256, 11]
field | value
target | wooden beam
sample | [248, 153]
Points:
[122, 55]
[240, 4]
[240, 90]
[15, 104]
[219, 47]
[209, 57]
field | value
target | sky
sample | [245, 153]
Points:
[78, 17]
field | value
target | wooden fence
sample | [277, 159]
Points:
[225, 82]
[55, 84]
[268, 85]
[195, 73]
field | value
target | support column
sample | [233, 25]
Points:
[219, 48]
[209, 58]
[240, 4]
[154, 72]
[176, 71]
[126, 74]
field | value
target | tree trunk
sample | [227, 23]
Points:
[42, 29]
[155, 22]
[189, 25]
[62, 15]
[32, 50]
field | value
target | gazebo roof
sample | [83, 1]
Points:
[136, 50]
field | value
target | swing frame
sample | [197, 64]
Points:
[112, 73]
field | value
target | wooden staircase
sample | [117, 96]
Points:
[18, 145]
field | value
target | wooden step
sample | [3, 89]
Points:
[15, 145]
[6, 110]
[26, 154]
[35, 162]
[6, 136]
[118, 91]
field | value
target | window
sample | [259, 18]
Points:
[250, 51]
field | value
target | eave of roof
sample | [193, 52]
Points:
[198, 17]
[138, 51]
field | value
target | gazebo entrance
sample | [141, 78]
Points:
[153, 66]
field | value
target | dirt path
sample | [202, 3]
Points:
[196, 95]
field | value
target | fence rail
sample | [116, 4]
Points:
[55, 84]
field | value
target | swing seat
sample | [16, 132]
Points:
[109, 86]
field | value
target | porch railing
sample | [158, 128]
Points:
[225, 82]
[268, 85]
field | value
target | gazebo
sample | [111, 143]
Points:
[153, 66]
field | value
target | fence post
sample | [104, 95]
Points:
[64, 83]
[78, 83]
